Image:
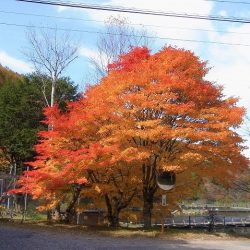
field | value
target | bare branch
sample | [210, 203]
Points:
[119, 39]
[50, 53]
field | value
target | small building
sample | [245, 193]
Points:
[91, 217]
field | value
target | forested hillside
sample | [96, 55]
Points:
[7, 75]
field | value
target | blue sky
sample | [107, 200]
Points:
[230, 64]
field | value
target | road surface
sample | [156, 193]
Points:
[20, 238]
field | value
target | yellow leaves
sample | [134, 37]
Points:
[231, 101]
[172, 168]
[80, 181]
[48, 206]
[107, 128]
[148, 124]
[132, 154]
[192, 157]
[224, 112]
[102, 189]
[4, 162]
[131, 151]
[235, 115]
[97, 189]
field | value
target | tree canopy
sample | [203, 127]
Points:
[151, 113]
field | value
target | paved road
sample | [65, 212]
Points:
[13, 238]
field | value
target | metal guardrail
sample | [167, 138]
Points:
[211, 206]
[204, 221]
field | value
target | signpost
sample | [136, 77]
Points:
[164, 200]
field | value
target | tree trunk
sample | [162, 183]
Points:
[149, 188]
[113, 213]
[49, 216]
[57, 213]
[70, 213]
[147, 209]
[114, 222]
[52, 94]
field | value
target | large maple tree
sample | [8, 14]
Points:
[164, 114]
[151, 113]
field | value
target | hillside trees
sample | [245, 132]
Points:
[21, 110]
[7, 75]
[151, 113]
[65, 89]
[18, 127]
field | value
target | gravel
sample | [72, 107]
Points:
[21, 238]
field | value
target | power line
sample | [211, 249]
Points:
[228, 1]
[108, 33]
[134, 24]
[138, 11]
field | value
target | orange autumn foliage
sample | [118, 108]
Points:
[165, 116]
[152, 113]
[64, 157]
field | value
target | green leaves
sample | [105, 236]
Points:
[21, 111]
[20, 115]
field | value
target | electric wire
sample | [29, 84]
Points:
[133, 24]
[107, 33]
[138, 11]
[228, 1]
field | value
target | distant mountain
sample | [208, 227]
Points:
[7, 75]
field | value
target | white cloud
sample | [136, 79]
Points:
[62, 8]
[235, 79]
[92, 54]
[89, 53]
[231, 63]
[14, 64]
[223, 13]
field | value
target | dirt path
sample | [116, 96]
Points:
[21, 238]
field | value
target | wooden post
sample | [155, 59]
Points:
[78, 212]
[162, 223]
[25, 201]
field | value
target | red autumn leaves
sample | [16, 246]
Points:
[151, 113]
